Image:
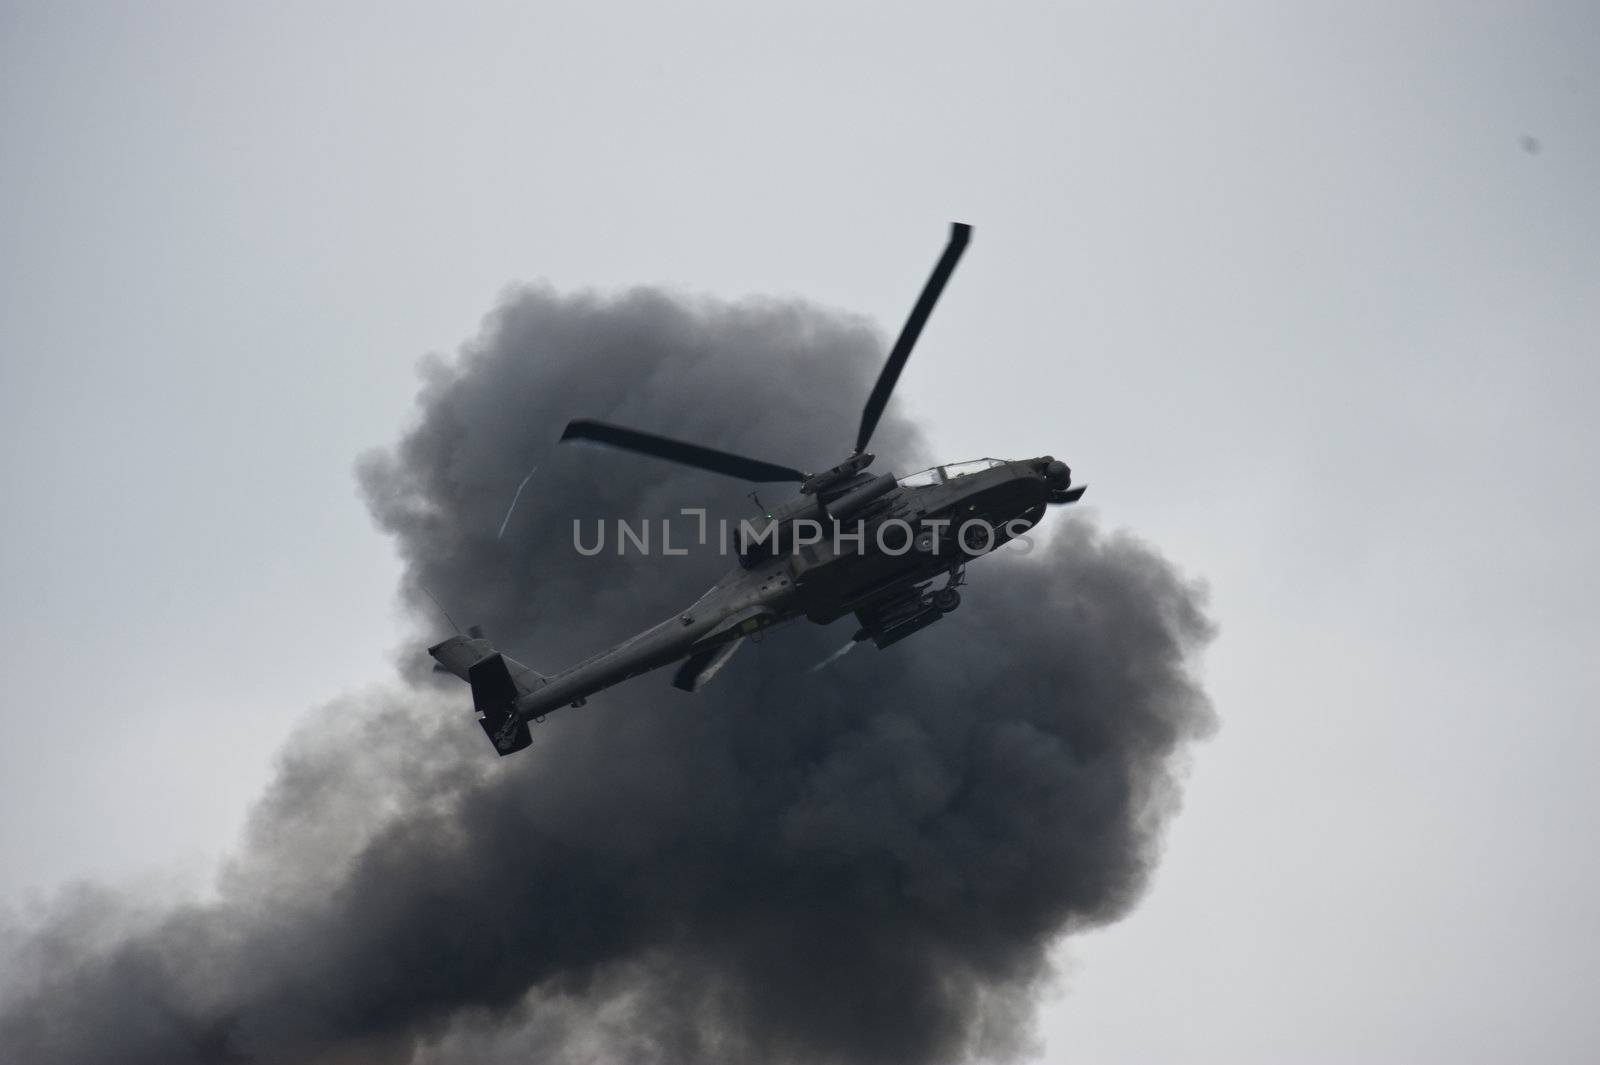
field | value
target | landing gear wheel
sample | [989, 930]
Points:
[946, 599]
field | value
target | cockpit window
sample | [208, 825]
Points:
[923, 479]
[961, 469]
[941, 474]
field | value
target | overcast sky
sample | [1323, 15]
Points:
[1308, 294]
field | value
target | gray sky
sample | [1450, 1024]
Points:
[1282, 283]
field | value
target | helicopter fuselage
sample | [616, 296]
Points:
[850, 542]
[874, 560]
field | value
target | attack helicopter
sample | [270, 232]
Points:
[907, 533]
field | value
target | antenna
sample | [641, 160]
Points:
[442, 610]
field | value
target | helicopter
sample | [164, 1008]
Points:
[908, 532]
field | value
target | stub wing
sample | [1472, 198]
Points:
[890, 620]
[699, 668]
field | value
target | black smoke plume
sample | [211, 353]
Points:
[869, 863]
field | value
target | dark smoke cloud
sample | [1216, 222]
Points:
[864, 864]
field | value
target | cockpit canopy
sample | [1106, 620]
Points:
[941, 474]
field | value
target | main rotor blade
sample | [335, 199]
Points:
[959, 234]
[705, 458]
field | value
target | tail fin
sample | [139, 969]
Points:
[497, 682]
[494, 697]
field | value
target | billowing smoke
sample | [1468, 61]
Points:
[866, 863]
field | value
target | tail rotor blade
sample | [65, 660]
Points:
[960, 233]
[661, 447]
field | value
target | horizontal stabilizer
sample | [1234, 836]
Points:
[457, 654]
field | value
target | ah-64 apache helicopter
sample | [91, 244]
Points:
[948, 515]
